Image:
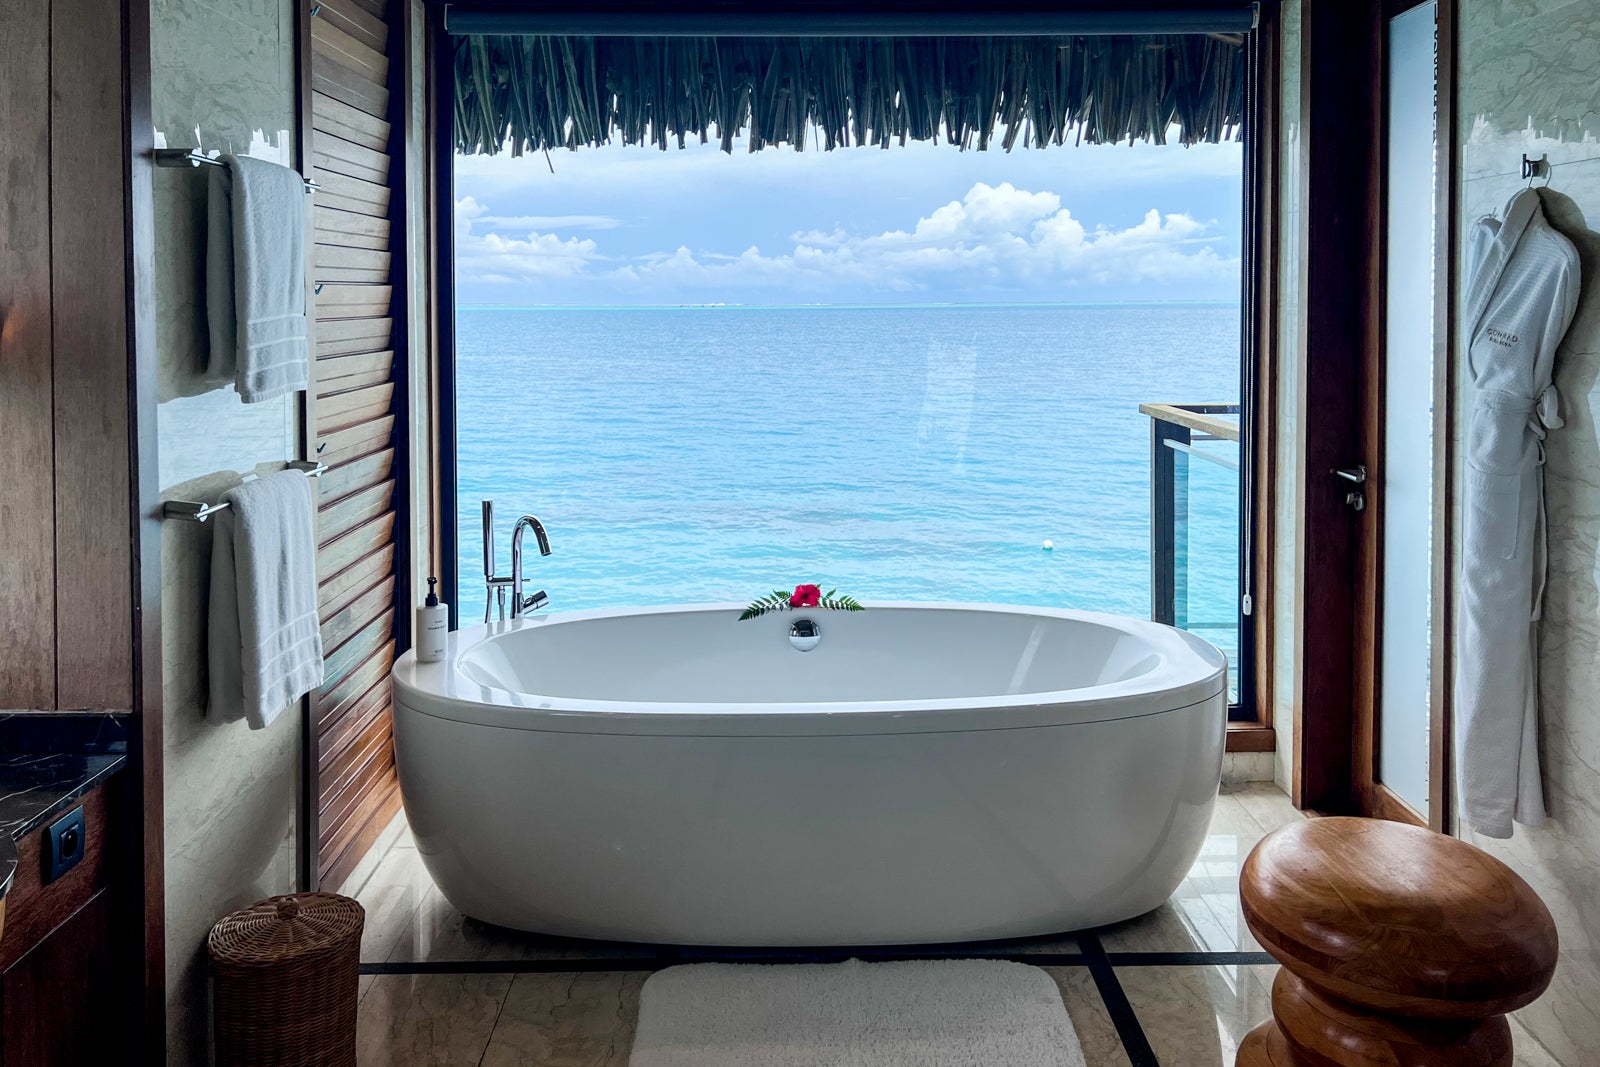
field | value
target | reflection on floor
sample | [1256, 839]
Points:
[1177, 987]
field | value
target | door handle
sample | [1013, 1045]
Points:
[1357, 474]
[1356, 498]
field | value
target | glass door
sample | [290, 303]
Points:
[1399, 699]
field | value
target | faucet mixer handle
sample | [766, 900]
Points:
[494, 589]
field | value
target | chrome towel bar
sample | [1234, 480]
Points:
[195, 511]
[192, 157]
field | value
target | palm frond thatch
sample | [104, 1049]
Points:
[532, 93]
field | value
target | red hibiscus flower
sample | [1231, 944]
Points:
[805, 596]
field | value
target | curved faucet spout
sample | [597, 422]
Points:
[529, 522]
[520, 604]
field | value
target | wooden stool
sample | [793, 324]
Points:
[1399, 946]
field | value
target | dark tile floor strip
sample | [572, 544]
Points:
[545, 966]
[656, 963]
[1189, 959]
[1134, 1041]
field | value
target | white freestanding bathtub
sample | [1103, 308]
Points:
[926, 773]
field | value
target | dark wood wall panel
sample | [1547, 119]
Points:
[94, 648]
[80, 576]
[31, 912]
[67, 969]
[67, 570]
[27, 570]
[363, 592]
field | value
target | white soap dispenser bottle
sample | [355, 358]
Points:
[433, 627]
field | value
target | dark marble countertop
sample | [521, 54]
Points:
[34, 788]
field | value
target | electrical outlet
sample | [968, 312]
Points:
[67, 842]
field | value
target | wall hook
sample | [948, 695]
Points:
[1536, 168]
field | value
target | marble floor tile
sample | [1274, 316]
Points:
[567, 1020]
[395, 835]
[1268, 805]
[1096, 1032]
[437, 931]
[428, 1020]
[391, 897]
[1529, 1053]
[1187, 922]
[1196, 1016]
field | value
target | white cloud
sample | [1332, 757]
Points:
[549, 222]
[996, 238]
[495, 258]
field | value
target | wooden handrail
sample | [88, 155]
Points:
[1201, 417]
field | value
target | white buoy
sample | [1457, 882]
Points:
[1049, 545]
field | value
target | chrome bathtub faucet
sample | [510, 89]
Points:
[496, 585]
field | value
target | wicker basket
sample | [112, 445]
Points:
[285, 972]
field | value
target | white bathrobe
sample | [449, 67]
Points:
[1522, 289]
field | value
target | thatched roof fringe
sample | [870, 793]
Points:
[536, 93]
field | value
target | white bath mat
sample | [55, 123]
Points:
[925, 1013]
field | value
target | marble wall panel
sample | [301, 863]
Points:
[1241, 767]
[1529, 80]
[223, 80]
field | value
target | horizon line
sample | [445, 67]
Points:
[719, 306]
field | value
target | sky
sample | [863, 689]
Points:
[916, 224]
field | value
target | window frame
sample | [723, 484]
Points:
[1250, 718]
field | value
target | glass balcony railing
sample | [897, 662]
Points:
[1194, 524]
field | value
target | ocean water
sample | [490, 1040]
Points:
[904, 453]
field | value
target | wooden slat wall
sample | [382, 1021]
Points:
[356, 157]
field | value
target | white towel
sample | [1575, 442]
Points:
[256, 278]
[265, 640]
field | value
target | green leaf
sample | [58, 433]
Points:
[778, 600]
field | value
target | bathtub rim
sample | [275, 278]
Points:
[441, 690]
